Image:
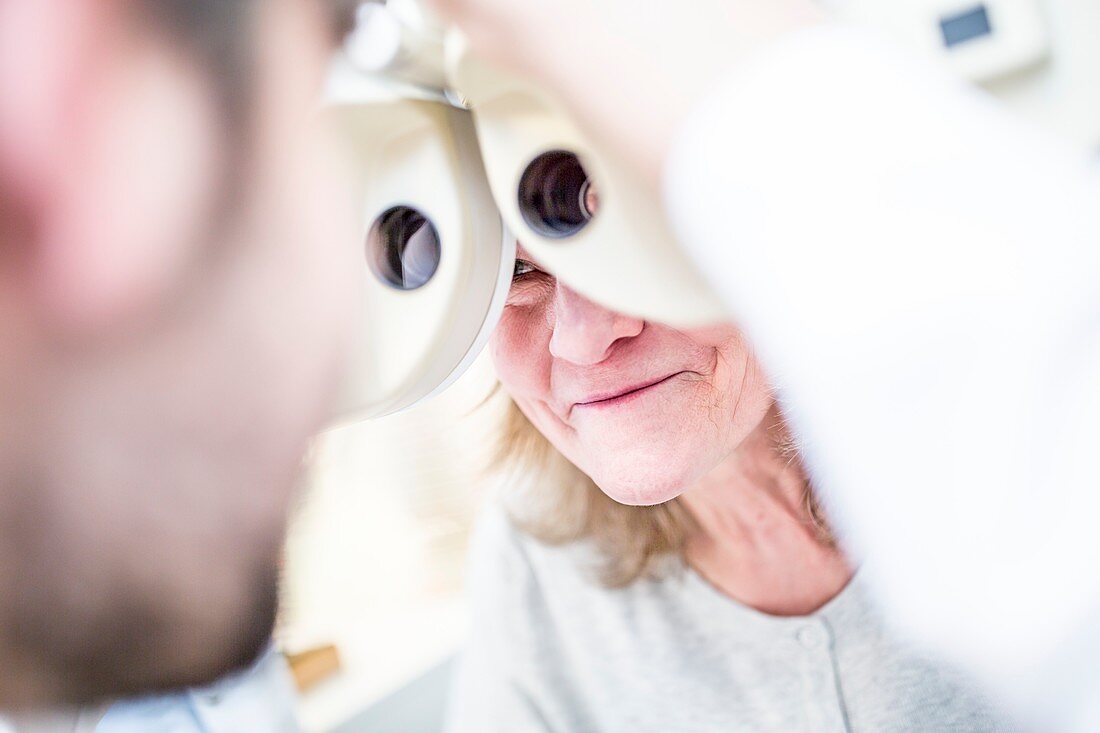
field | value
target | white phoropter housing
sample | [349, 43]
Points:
[438, 259]
[455, 155]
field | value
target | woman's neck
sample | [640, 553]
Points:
[757, 540]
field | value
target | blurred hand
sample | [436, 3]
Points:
[629, 71]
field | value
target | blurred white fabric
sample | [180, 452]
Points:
[260, 699]
[921, 274]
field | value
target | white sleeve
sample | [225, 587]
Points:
[259, 699]
[920, 273]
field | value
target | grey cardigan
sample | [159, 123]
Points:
[552, 650]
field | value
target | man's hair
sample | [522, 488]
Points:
[219, 36]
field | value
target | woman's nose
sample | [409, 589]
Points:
[585, 332]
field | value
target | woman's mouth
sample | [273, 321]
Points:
[621, 397]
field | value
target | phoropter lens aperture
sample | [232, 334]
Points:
[403, 248]
[556, 197]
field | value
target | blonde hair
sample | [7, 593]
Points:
[556, 503]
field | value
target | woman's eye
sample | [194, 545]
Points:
[523, 268]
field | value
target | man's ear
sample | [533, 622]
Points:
[108, 140]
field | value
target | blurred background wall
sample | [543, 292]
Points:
[376, 557]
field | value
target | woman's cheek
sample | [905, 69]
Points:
[520, 352]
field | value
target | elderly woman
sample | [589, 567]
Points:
[663, 565]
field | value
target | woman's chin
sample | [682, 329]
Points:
[642, 491]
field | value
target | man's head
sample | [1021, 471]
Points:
[174, 274]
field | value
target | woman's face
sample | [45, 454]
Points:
[645, 410]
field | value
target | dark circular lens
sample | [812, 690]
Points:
[403, 248]
[556, 199]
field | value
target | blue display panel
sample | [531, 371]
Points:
[965, 26]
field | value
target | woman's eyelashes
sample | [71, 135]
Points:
[523, 269]
[530, 285]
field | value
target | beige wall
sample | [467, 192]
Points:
[377, 549]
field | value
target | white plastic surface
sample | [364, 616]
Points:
[423, 155]
[625, 258]
[375, 43]
[1040, 58]
[1018, 36]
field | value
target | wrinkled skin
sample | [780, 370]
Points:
[561, 357]
[703, 427]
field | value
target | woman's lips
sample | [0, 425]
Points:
[621, 397]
